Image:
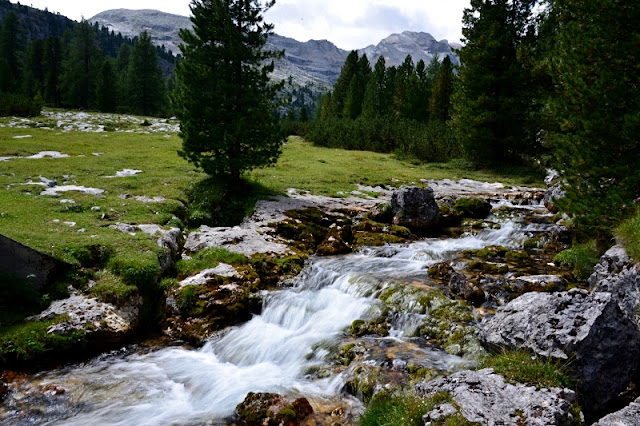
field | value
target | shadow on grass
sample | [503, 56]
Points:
[214, 202]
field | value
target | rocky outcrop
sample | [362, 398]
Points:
[619, 275]
[93, 317]
[554, 192]
[270, 409]
[484, 397]
[415, 208]
[628, 416]
[588, 330]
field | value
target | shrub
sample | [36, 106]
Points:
[19, 105]
[581, 257]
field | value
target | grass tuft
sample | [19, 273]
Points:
[629, 234]
[581, 258]
[208, 258]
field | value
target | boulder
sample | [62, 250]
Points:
[415, 208]
[462, 288]
[382, 213]
[484, 397]
[588, 330]
[259, 409]
[628, 416]
[619, 275]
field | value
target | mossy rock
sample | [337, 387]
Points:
[349, 352]
[375, 239]
[440, 271]
[489, 252]
[516, 256]
[487, 267]
[475, 208]
[363, 382]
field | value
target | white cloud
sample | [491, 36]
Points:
[347, 23]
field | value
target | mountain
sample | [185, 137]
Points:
[314, 63]
[36, 24]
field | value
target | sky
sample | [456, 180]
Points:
[349, 24]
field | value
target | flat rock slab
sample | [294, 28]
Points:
[589, 330]
[484, 397]
[222, 270]
[244, 241]
[91, 315]
[628, 416]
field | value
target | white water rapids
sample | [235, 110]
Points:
[273, 352]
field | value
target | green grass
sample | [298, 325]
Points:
[208, 258]
[582, 258]
[328, 171]
[628, 233]
[524, 367]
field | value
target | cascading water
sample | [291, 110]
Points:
[274, 352]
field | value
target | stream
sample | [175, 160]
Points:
[281, 350]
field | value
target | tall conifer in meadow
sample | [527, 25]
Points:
[224, 98]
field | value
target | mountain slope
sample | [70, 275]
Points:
[315, 62]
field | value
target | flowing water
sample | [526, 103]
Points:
[273, 352]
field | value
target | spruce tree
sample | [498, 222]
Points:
[224, 98]
[375, 102]
[33, 72]
[106, 87]
[52, 62]
[341, 88]
[491, 103]
[597, 108]
[11, 50]
[81, 67]
[145, 86]
[440, 102]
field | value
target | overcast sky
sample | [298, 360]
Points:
[349, 24]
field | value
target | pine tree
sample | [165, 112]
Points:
[491, 103]
[375, 102]
[341, 88]
[106, 87]
[405, 82]
[11, 50]
[357, 87]
[122, 74]
[52, 63]
[145, 86]
[81, 67]
[594, 66]
[224, 99]
[440, 102]
[33, 73]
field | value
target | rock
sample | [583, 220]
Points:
[382, 213]
[540, 283]
[552, 177]
[4, 390]
[628, 416]
[464, 289]
[236, 239]
[484, 397]
[222, 270]
[336, 242]
[619, 275]
[270, 409]
[474, 208]
[415, 208]
[123, 227]
[556, 192]
[589, 330]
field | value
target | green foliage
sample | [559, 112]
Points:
[224, 98]
[208, 258]
[594, 67]
[406, 409]
[111, 289]
[18, 298]
[440, 102]
[144, 86]
[19, 105]
[136, 269]
[629, 234]
[524, 367]
[80, 68]
[581, 257]
[11, 50]
[30, 341]
[106, 88]
[492, 103]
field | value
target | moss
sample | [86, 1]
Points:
[375, 239]
[487, 267]
[475, 208]
[208, 258]
[110, 288]
[138, 269]
[516, 256]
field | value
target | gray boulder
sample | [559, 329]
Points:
[628, 416]
[616, 273]
[415, 208]
[484, 397]
[588, 330]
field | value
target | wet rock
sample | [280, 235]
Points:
[4, 390]
[336, 242]
[473, 208]
[415, 208]
[539, 283]
[441, 271]
[460, 287]
[382, 213]
[628, 416]
[589, 330]
[484, 397]
[270, 409]
[554, 192]
[619, 275]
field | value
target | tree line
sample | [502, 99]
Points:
[86, 67]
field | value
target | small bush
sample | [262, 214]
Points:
[525, 367]
[581, 258]
[19, 105]
[629, 234]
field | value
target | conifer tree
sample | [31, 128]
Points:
[52, 63]
[224, 98]
[375, 103]
[145, 87]
[594, 66]
[81, 67]
[357, 87]
[122, 74]
[440, 102]
[341, 88]
[491, 103]
[33, 72]
[11, 49]
[403, 89]
[106, 87]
